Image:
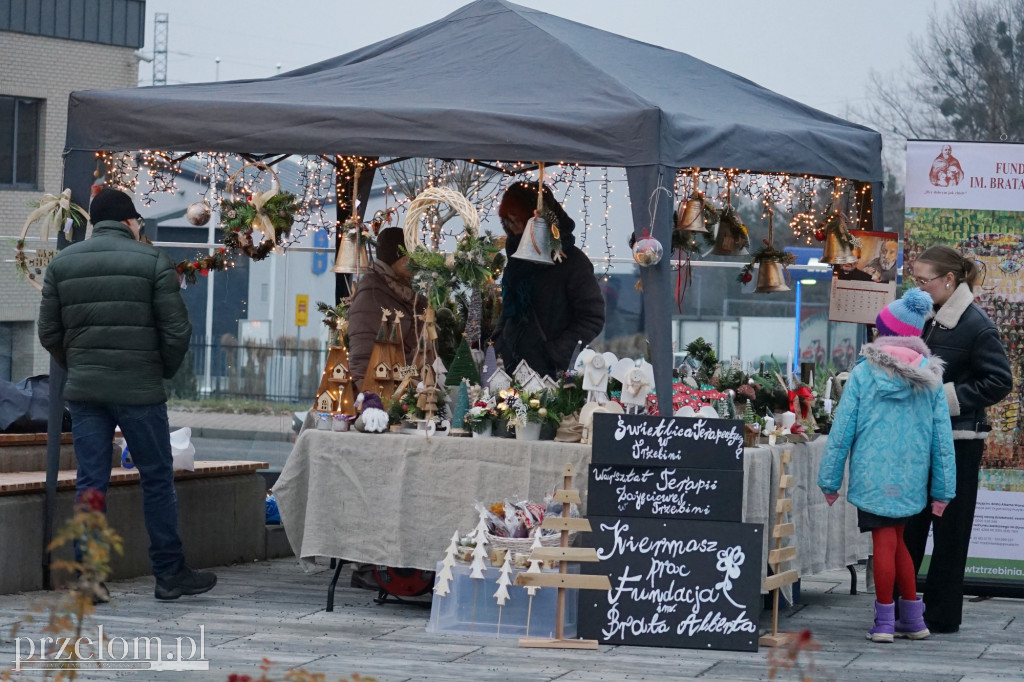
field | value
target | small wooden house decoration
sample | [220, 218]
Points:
[380, 376]
[337, 391]
[499, 381]
[523, 373]
[325, 402]
[534, 384]
[549, 383]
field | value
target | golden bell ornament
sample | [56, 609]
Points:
[535, 244]
[691, 218]
[351, 257]
[728, 236]
[770, 277]
[836, 252]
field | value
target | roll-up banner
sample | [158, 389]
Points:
[970, 195]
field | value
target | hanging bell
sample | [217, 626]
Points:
[351, 258]
[691, 218]
[729, 234]
[535, 244]
[836, 252]
[770, 277]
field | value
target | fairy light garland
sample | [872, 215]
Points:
[801, 201]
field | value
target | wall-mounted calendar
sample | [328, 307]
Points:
[859, 301]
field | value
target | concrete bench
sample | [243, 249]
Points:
[221, 512]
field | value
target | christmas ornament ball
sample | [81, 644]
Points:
[198, 213]
[819, 235]
[746, 277]
[534, 403]
[647, 252]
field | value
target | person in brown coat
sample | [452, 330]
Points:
[385, 286]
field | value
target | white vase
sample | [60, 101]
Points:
[531, 431]
[486, 433]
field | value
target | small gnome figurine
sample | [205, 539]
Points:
[372, 417]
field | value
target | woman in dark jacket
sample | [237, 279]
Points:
[385, 286]
[546, 309]
[977, 375]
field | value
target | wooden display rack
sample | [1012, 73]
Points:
[562, 580]
[780, 554]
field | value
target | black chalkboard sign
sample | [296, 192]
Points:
[690, 584]
[690, 442]
[666, 492]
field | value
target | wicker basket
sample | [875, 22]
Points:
[523, 545]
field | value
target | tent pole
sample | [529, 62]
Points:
[78, 175]
[343, 191]
[645, 189]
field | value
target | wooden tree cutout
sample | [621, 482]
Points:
[562, 580]
[780, 554]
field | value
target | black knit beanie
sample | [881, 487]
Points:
[389, 243]
[112, 204]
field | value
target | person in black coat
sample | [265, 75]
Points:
[977, 375]
[546, 309]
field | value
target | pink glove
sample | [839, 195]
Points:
[831, 498]
[938, 507]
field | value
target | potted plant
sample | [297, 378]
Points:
[481, 418]
[526, 412]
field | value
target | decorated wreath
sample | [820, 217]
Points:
[271, 212]
[57, 213]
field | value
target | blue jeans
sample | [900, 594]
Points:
[147, 433]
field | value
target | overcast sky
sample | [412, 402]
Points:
[819, 52]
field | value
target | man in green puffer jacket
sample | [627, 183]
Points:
[112, 315]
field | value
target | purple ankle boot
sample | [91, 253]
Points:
[911, 623]
[885, 619]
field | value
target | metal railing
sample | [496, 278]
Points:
[282, 371]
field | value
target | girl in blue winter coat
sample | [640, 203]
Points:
[893, 423]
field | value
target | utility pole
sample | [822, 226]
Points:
[160, 24]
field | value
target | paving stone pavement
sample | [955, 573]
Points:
[275, 610]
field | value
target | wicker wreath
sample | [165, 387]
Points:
[54, 211]
[431, 197]
[271, 212]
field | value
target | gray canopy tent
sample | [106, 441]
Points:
[494, 80]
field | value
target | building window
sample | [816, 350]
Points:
[19, 142]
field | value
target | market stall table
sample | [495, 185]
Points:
[395, 499]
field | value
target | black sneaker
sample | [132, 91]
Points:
[186, 581]
[100, 595]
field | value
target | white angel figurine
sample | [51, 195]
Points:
[594, 367]
[637, 377]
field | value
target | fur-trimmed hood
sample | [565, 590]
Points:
[906, 361]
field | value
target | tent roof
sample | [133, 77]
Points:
[492, 80]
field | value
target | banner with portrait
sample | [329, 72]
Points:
[970, 195]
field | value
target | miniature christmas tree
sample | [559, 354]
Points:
[748, 414]
[480, 551]
[534, 563]
[461, 406]
[444, 578]
[490, 364]
[504, 581]
[463, 366]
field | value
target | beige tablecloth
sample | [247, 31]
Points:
[396, 500]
